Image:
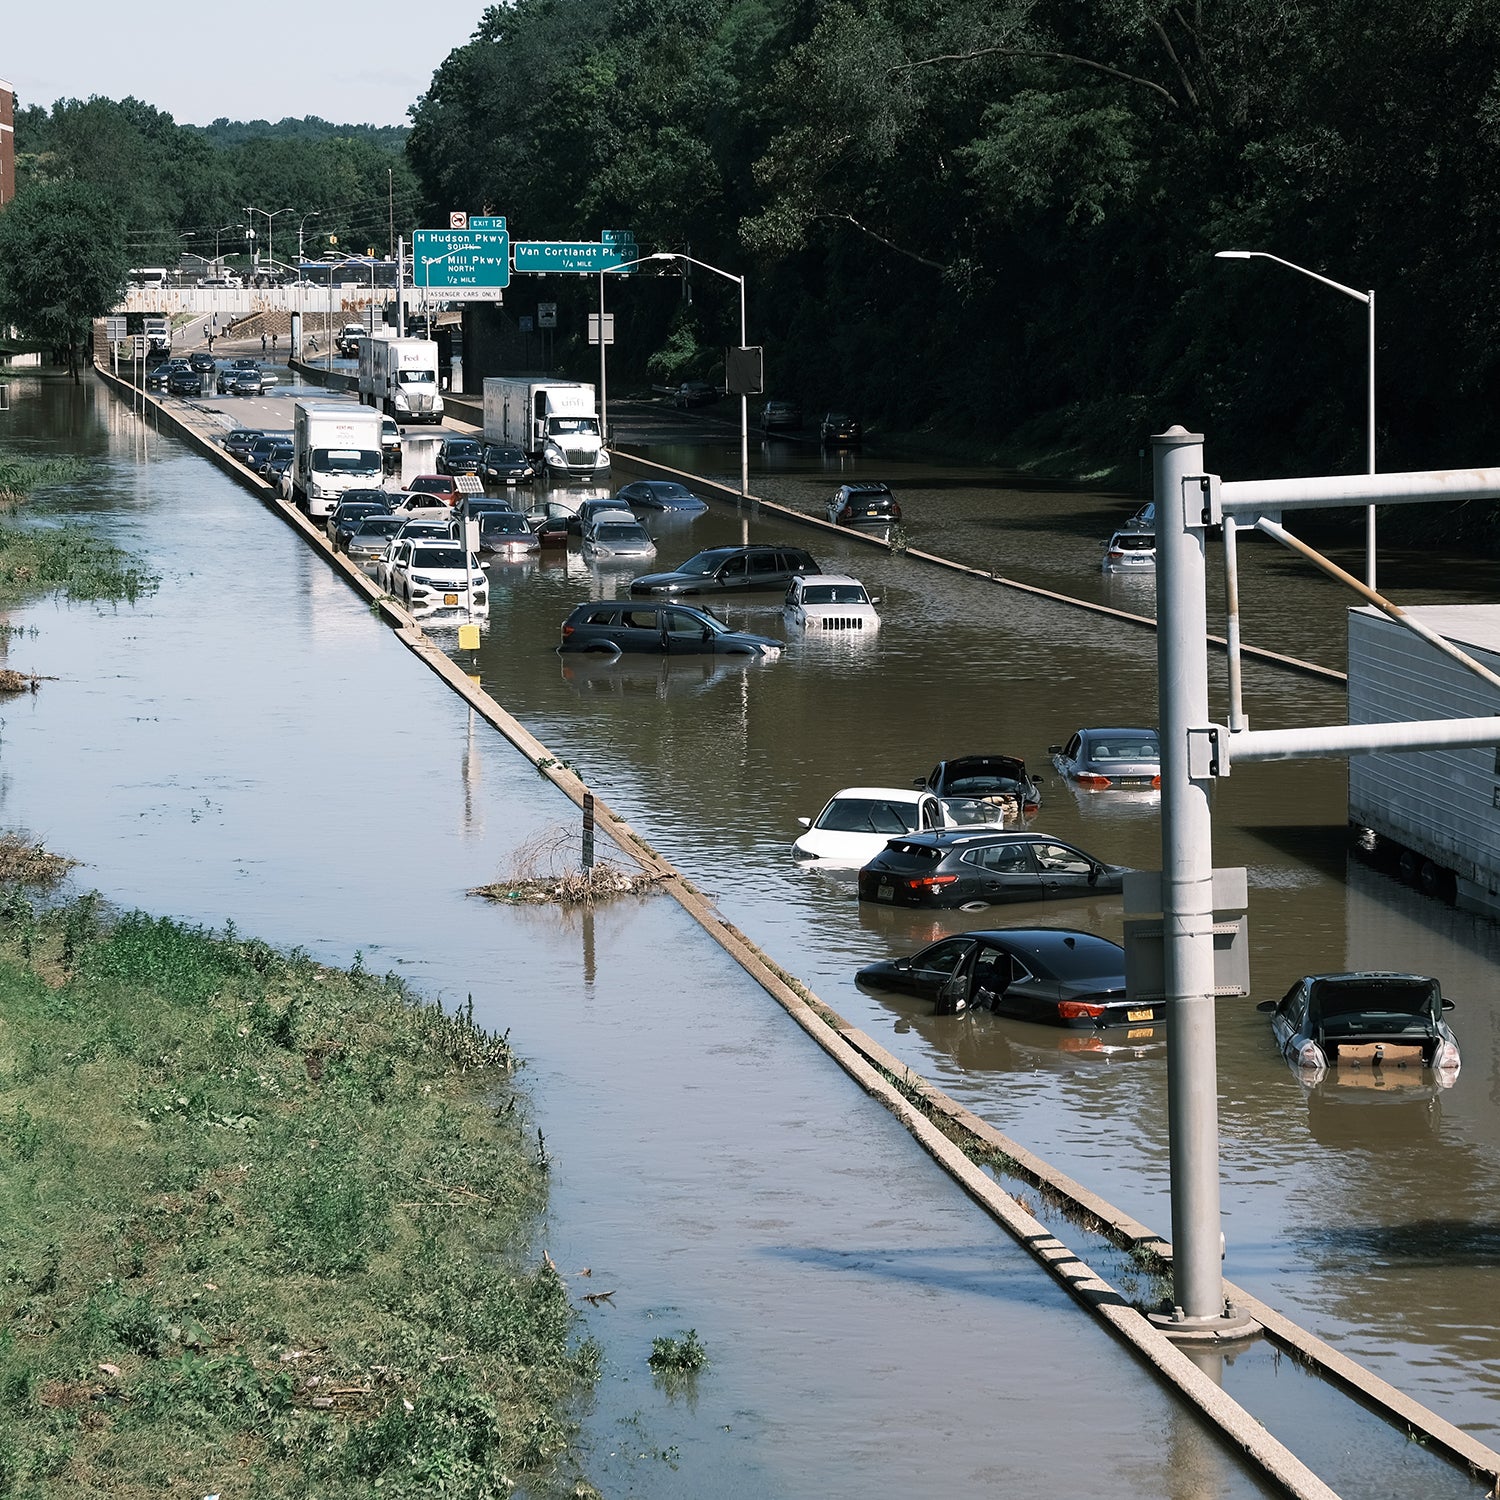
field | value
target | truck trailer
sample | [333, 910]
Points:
[555, 422]
[400, 378]
[335, 447]
[1436, 811]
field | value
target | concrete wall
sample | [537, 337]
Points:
[228, 302]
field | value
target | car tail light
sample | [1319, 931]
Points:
[1446, 1059]
[567, 631]
[1094, 783]
[1310, 1055]
[895, 513]
[928, 882]
[1156, 781]
[847, 514]
[1076, 1010]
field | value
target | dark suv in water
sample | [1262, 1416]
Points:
[722, 570]
[619, 625]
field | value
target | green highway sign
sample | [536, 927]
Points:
[491, 222]
[460, 259]
[574, 258]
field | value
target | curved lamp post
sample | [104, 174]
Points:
[1368, 298]
[270, 247]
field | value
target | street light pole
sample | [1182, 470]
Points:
[1368, 298]
[310, 214]
[270, 239]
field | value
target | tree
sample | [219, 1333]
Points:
[63, 262]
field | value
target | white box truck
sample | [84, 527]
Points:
[400, 378]
[556, 423]
[335, 447]
[1437, 811]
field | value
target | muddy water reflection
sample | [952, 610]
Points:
[251, 743]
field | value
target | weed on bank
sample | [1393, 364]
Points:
[264, 1229]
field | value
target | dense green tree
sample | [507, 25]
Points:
[62, 263]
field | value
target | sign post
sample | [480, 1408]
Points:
[464, 264]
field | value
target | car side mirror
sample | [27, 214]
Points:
[919, 781]
[706, 633]
[1267, 1006]
[1447, 1004]
[1054, 749]
[805, 822]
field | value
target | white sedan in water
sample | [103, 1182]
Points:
[830, 602]
[858, 822]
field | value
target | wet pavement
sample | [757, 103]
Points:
[670, 1092]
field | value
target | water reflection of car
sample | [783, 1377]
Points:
[662, 494]
[1049, 974]
[974, 868]
[1101, 760]
[1130, 552]
[857, 822]
[1365, 1024]
[970, 781]
[867, 504]
[649, 676]
[610, 627]
[839, 430]
[1374, 1114]
[830, 602]
[730, 570]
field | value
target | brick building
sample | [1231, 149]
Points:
[7, 143]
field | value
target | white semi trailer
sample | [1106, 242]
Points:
[556, 423]
[335, 447]
[400, 378]
[1440, 809]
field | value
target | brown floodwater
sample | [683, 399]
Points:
[251, 744]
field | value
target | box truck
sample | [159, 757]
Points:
[555, 422]
[335, 447]
[400, 378]
[1437, 812]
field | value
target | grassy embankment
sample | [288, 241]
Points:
[263, 1229]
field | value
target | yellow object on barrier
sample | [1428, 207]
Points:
[468, 637]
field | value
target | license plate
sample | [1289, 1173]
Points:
[1139, 1033]
[1140, 1015]
[1132, 781]
[884, 892]
[452, 599]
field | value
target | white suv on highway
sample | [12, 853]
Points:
[429, 575]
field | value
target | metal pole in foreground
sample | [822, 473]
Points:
[1187, 891]
[744, 411]
[1370, 397]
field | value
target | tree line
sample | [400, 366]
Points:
[999, 217]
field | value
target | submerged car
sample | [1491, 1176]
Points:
[1368, 1020]
[237, 444]
[838, 429]
[444, 486]
[616, 535]
[975, 788]
[504, 463]
[432, 575]
[1047, 974]
[458, 456]
[975, 868]
[662, 494]
[1101, 760]
[867, 504]
[247, 383]
[1130, 552]
[354, 507]
[730, 570]
[780, 416]
[505, 532]
[857, 823]
[830, 602]
[622, 625]
[694, 393]
[368, 540]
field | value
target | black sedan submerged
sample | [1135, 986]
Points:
[1047, 974]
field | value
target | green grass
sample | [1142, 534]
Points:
[69, 558]
[265, 1229]
[20, 475]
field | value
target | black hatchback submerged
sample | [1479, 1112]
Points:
[614, 626]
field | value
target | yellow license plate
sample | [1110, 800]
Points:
[451, 599]
[1136, 1033]
[1140, 1015]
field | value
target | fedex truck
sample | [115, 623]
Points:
[555, 422]
[335, 447]
[400, 378]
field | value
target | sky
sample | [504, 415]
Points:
[353, 64]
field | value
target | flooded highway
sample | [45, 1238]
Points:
[250, 743]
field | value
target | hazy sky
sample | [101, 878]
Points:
[358, 63]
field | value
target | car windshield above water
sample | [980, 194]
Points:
[1133, 541]
[1136, 749]
[503, 523]
[438, 557]
[379, 526]
[703, 564]
[868, 815]
[834, 593]
[619, 531]
[461, 448]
